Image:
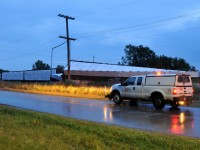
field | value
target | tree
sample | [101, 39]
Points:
[180, 64]
[139, 56]
[164, 62]
[192, 68]
[145, 57]
[59, 69]
[39, 65]
[1, 70]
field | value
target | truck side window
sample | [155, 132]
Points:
[131, 81]
[139, 81]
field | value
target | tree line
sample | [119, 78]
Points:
[40, 65]
[143, 56]
[140, 56]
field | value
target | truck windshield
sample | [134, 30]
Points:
[130, 81]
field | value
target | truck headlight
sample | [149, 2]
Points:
[111, 89]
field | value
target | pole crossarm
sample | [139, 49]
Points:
[68, 38]
[65, 16]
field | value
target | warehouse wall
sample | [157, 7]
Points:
[110, 77]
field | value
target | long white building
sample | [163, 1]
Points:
[90, 71]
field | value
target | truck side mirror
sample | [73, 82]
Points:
[124, 84]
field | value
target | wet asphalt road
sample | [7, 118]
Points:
[183, 121]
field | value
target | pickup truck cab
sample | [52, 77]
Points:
[160, 89]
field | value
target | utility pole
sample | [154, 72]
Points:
[68, 41]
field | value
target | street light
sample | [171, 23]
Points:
[52, 54]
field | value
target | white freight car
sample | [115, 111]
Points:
[14, 75]
[32, 75]
[38, 75]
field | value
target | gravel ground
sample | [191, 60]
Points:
[196, 95]
[196, 103]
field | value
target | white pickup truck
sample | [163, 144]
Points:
[160, 89]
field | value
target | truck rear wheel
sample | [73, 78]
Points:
[158, 101]
[174, 104]
[117, 98]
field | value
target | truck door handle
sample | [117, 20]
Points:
[133, 88]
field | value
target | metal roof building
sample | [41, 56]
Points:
[91, 71]
[90, 66]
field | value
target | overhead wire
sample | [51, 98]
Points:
[102, 10]
[16, 57]
[91, 13]
[163, 22]
[108, 8]
[125, 29]
[136, 26]
[24, 37]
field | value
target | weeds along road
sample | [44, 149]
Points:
[183, 121]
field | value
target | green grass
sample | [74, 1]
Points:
[20, 129]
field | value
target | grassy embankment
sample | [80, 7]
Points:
[20, 129]
[59, 89]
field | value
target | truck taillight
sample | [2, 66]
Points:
[174, 91]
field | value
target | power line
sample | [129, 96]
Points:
[123, 29]
[44, 43]
[11, 58]
[24, 38]
[87, 14]
[107, 9]
[110, 30]
[137, 26]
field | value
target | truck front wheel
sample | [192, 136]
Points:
[158, 101]
[117, 98]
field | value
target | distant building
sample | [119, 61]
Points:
[100, 72]
[89, 72]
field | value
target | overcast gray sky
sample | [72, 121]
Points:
[30, 29]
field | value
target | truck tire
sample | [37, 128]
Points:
[158, 101]
[174, 104]
[117, 98]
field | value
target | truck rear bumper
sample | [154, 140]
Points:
[184, 101]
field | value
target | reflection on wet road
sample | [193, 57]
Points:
[184, 121]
